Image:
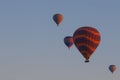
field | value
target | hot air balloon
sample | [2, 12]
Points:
[86, 39]
[68, 40]
[58, 18]
[112, 68]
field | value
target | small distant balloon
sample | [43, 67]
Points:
[112, 68]
[68, 40]
[86, 39]
[58, 18]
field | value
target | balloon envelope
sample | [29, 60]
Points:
[86, 39]
[68, 41]
[58, 18]
[112, 68]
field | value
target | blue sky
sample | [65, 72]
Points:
[32, 47]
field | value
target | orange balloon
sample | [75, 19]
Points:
[112, 68]
[86, 39]
[58, 18]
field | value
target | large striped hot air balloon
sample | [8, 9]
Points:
[112, 68]
[86, 39]
[58, 18]
[68, 40]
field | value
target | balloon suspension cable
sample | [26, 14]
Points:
[68, 48]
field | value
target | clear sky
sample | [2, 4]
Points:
[32, 47]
